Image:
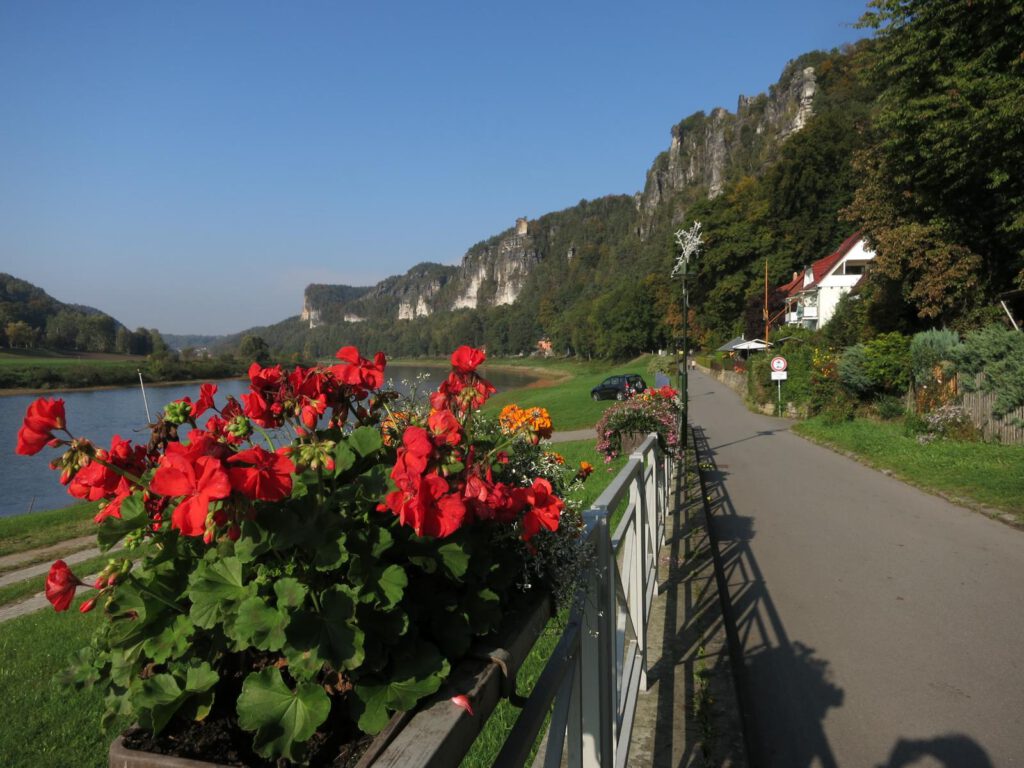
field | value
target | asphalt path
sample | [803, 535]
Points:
[879, 625]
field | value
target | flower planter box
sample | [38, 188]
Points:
[437, 734]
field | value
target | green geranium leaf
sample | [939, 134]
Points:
[330, 636]
[252, 543]
[453, 632]
[215, 588]
[344, 458]
[200, 678]
[370, 708]
[392, 584]
[282, 718]
[156, 700]
[413, 678]
[331, 551]
[290, 592]
[484, 611]
[171, 642]
[425, 563]
[365, 441]
[455, 559]
[83, 671]
[258, 625]
[113, 529]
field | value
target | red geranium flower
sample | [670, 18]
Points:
[466, 359]
[544, 510]
[99, 480]
[61, 584]
[197, 479]
[445, 428]
[359, 372]
[41, 418]
[268, 479]
[205, 402]
[432, 510]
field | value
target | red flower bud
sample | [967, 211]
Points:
[87, 606]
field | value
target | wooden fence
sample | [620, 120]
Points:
[1009, 429]
[978, 406]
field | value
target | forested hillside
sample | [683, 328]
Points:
[30, 318]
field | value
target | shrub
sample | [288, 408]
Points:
[932, 351]
[855, 372]
[888, 362]
[999, 353]
[889, 407]
[948, 422]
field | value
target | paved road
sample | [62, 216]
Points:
[880, 626]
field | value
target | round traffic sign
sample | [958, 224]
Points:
[778, 363]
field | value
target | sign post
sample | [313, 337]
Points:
[779, 374]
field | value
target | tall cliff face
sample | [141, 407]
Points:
[706, 151]
[492, 273]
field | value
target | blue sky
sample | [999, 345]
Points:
[192, 166]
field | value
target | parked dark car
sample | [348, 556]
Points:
[619, 387]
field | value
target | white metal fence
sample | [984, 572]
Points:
[600, 664]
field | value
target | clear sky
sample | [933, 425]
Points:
[191, 165]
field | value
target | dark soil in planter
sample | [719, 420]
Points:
[218, 739]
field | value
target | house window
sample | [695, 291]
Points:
[853, 269]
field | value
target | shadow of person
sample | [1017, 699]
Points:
[796, 694]
[951, 751]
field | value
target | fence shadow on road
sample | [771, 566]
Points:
[951, 750]
[692, 671]
[784, 690]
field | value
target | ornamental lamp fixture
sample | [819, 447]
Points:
[689, 242]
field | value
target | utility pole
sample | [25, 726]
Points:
[689, 242]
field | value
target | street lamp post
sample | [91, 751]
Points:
[689, 242]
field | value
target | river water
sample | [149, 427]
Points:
[28, 484]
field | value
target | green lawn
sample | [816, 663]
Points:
[39, 529]
[977, 474]
[45, 723]
[568, 399]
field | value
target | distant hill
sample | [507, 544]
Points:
[31, 318]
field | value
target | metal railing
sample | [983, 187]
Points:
[599, 666]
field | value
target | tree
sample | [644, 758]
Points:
[21, 334]
[942, 197]
[254, 348]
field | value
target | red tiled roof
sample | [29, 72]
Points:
[821, 267]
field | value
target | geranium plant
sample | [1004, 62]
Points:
[654, 410]
[311, 558]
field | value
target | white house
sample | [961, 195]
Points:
[812, 295]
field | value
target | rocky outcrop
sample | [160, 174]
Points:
[493, 274]
[707, 151]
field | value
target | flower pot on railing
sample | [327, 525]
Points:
[303, 593]
[436, 734]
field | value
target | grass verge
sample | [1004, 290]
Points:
[42, 529]
[49, 724]
[972, 474]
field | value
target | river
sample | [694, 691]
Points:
[28, 484]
